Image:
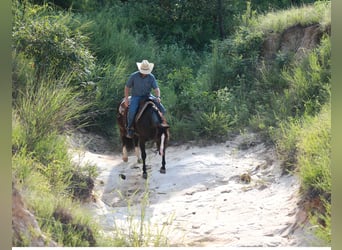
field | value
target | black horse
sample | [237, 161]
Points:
[149, 125]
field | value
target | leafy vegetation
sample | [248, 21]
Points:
[217, 76]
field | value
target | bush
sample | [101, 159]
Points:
[214, 125]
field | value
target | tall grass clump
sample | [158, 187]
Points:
[136, 228]
[314, 151]
[314, 154]
[45, 107]
[278, 21]
[304, 145]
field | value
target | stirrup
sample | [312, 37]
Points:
[130, 134]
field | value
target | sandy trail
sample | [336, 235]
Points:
[203, 199]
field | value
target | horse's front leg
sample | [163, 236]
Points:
[138, 154]
[124, 147]
[163, 169]
[143, 156]
[162, 153]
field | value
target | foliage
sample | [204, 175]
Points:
[113, 40]
[46, 37]
[303, 87]
[192, 23]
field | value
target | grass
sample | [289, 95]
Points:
[280, 20]
[137, 230]
[45, 107]
[314, 151]
[305, 147]
[314, 158]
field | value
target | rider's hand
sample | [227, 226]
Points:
[126, 102]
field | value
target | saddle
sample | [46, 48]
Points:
[123, 110]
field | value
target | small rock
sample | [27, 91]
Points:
[246, 178]
[225, 191]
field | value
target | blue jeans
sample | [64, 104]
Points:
[134, 107]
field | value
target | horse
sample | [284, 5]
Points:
[149, 125]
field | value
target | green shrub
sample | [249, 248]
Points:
[182, 130]
[214, 125]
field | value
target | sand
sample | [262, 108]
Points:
[230, 194]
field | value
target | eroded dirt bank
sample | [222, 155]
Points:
[228, 194]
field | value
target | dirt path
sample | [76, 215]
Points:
[229, 194]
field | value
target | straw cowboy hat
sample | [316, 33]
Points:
[145, 67]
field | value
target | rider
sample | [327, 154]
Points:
[140, 84]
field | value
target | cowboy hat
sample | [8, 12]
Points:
[145, 67]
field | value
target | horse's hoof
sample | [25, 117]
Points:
[162, 170]
[125, 159]
[144, 176]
